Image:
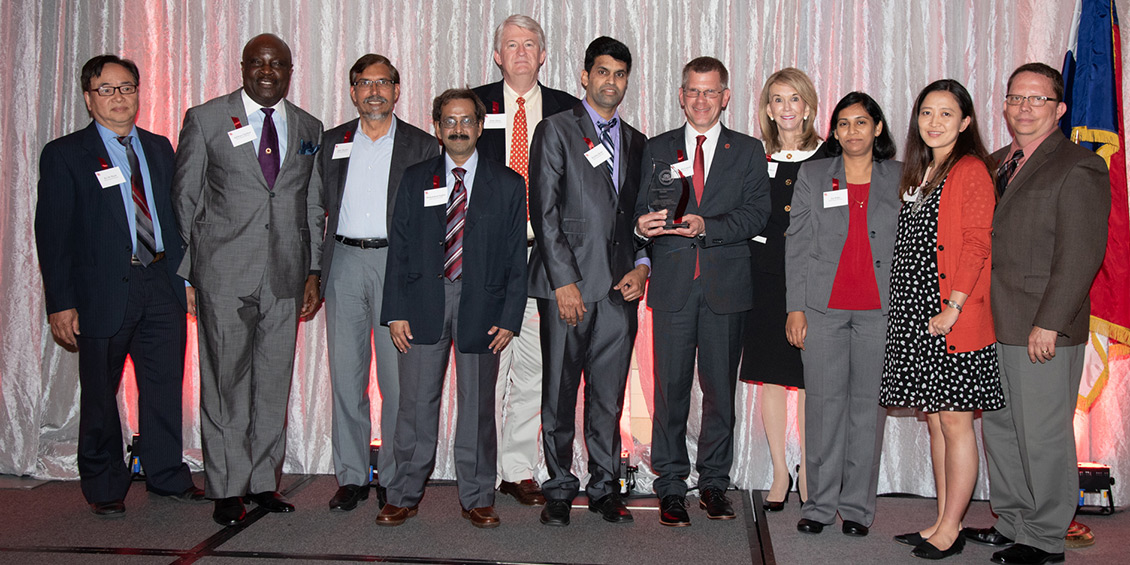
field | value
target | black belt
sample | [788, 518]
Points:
[134, 261]
[367, 243]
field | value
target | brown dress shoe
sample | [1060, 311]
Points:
[484, 517]
[395, 515]
[527, 492]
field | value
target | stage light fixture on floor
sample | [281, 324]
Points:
[1095, 496]
[627, 474]
[374, 450]
[138, 474]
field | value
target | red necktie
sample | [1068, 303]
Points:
[699, 184]
[520, 148]
[146, 242]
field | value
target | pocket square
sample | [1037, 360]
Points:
[307, 147]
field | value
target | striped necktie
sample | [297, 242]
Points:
[453, 239]
[606, 141]
[146, 243]
[1007, 169]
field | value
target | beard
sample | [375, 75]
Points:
[375, 115]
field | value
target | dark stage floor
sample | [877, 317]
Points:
[49, 523]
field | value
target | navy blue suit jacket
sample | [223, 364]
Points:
[82, 233]
[494, 256]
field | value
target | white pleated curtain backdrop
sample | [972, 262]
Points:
[189, 52]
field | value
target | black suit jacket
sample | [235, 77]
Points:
[582, 226]
[734, 207]
[82, 234]
[410, 145]
[494, 256]
[492, 143]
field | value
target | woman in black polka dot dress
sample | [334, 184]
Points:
[940, 355]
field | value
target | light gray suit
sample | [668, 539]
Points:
[1049, 238]
[248, 254]
[843, 356]
[354, 287]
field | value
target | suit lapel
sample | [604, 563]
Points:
[93, 144]
[340, 167]
[1037, 160]
[722, 161]
[588, 130]
[483, 183]
[839, 176]
[158, 173]
[440, 212]
[247, 150]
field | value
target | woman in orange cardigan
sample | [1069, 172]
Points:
[940, 356]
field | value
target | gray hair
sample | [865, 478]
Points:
[518, 20]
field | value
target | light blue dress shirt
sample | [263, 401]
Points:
[364, 201]
[118, 159]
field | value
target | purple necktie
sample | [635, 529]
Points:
[269, 149]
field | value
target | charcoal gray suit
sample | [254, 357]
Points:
[582, 227]
[249, 252]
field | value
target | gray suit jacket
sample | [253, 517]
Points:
[582, 226]
[735, 206]
[410, 145]
[1049, 238]
[816, 234]
[233, 224]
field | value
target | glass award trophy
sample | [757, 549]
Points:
[668, 191]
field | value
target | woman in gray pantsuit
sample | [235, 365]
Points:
[838, 252]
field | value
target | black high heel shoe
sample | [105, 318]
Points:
[799, 499]
[771, 506]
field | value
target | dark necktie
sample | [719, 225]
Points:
[146, 243]
[453, 239]
[269, 149]
[606, 141]
[1006, 170]
[699, 184]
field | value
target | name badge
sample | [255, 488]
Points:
[495, 121]
[760, 239]
[242, 135]
[834, 198]
[910, 196]
[598, 155]
[110, 177]
[343, 150]
[435, 197]
[773, 170]
[682, 168]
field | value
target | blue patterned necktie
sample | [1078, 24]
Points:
[606, 141]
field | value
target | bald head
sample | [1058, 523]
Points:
[266, 68]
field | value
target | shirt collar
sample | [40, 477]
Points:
[389, 135]
[511, 94]
[691, 135]
[250, 106]
[108, 135]
[470, 166]
[597, 118]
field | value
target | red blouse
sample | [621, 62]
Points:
[854, 287]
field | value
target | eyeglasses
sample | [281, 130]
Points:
[1033, 101]
[107, 90]
[450, 122]
[695, 93]
[379, 83]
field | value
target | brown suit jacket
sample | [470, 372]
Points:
[1049, 238]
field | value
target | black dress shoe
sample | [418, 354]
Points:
[229, 511]
[1020, 554]
[556, 512]
[855, 529]
[190, 495]
[611, 508]
[926, 550]
[673, 511]
[806, 526]
[716, 504]
[913, 539]
[112, 509]
[271, 502]
[347, 497]
[985, 536]
[382, 496]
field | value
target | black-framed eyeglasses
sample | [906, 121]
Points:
[107, 90]
[450, 122]
[379, 83]
[1033, 101]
